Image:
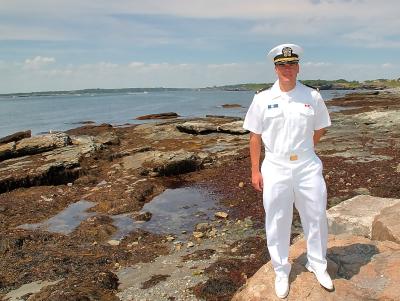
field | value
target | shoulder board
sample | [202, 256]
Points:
[262, 89]
[312, 87]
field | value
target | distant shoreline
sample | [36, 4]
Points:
[341, 84]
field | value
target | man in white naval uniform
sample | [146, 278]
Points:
[289, 119]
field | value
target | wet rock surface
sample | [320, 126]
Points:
[122, 169]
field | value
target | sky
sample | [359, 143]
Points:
[77, 44]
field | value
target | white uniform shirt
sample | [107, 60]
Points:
[287, 120]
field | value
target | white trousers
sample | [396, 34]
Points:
[300, 182]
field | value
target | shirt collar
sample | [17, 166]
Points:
[276, 90]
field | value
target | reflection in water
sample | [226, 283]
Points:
[66, 221]
[173, 211]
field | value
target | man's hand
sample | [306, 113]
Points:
[257, 180]
[318, 135]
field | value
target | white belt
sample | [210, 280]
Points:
[290, 157]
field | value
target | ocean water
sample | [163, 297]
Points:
[42, 114]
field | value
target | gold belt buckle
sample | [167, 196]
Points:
[293, 157]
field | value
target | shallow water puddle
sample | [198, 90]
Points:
[66, 221]
[218, 147]
[174, 211]
[332, 109]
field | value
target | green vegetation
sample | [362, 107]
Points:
[389, 83]
[340, 84]
[93, 91]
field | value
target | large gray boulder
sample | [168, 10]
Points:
[386, 225]
[356, 215]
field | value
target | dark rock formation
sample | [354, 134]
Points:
[16, 136]
[169, 115]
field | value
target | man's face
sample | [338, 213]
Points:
[287, 72]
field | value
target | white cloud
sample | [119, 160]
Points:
[105, 65]
[223, 66]
[38, 62]
[316, 64]
[339, 22]
[388, 65]
[136, 64]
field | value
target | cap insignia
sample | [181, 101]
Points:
[287, 51]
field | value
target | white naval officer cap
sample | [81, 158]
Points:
[285, 53]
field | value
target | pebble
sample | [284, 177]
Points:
[241, 184]
[212, 233]
[190, 244]
[362, 190]
[198, 234]
[46, 199]
[104, 182]
[113, 242]
[221, 214]
[197, 273]
[170, 238]
[202, 227]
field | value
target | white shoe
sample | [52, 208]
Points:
[281, 286]
[323, 278]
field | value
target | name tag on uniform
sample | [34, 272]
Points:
[275, 105]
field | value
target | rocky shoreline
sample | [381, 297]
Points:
[118, 171]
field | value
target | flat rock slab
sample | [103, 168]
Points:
[356, 215]
[163, 163]
[205, 127]
[34, 145]
[16, 136]
[51, 167]
[197, 127]
[361, 269]
[386, 225]
[234, 128]
[168, 115]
